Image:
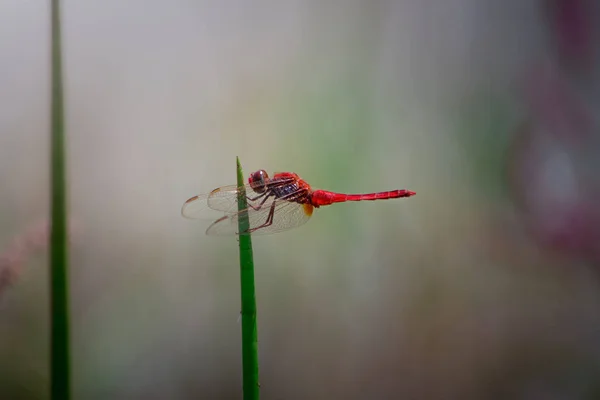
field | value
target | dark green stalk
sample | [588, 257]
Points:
[249, 331]
[59, 287]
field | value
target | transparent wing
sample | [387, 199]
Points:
[285, 215]
[221, 199]
[224, 199]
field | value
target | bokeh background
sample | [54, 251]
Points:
[483, 286]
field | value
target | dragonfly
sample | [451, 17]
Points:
[274, 204]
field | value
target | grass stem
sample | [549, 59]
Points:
[251, 385]
[59, 283]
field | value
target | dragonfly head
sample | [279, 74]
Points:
[258, 181]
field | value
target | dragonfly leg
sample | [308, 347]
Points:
[258, 207]
[269, 220]
[257, 197]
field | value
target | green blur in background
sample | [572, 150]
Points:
[439, 296]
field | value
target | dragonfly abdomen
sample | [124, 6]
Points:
[324, 198]
[393, 194]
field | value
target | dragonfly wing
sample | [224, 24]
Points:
[225, 199]
[195, 207]
[221, 199]
[286, 215]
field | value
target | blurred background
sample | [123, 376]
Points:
[483, 286]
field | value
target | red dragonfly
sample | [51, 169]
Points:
[275, 204]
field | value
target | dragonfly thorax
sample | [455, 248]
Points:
[288, 192]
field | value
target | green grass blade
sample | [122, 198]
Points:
[59, 287]
[249, 330]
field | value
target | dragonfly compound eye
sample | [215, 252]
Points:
[258, 179]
